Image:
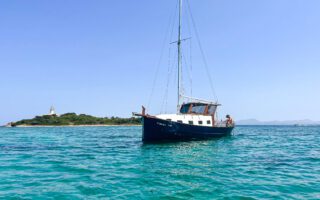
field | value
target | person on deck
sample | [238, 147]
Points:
[229, 121]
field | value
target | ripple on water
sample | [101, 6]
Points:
[258, 162]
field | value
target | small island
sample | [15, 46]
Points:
[72, 119]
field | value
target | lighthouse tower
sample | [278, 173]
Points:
[52, 111]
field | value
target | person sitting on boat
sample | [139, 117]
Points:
[229, 121]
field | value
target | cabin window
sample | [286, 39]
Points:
[179, 121]
[198, 109]
[208, 122]
[168, 119]
[200, 122]
[185, 108]
[191, 122]
[212, 109]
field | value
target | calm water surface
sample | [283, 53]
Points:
[265, 162]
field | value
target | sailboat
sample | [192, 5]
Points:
[194, 120]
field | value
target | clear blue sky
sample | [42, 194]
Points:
[100, 57]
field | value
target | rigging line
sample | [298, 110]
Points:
[163, 107]
[174, 23]
[167, 88]
[190, 49]
[170, 68]
[172, 17]
[191, 66]
[188, 24]
[188, 72]
[165, 99]
[172, 76]
[202, 52]
[165, 96]
[174, 72]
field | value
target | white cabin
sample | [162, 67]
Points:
[200, 114]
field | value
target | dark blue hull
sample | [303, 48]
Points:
[158, 130]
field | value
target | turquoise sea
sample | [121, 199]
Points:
[257, 162]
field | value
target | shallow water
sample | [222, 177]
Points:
[257, 162]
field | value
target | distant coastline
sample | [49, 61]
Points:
[83, 120]
[255, 122]
[74, 120]
[80, 125]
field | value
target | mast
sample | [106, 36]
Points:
[179, 55]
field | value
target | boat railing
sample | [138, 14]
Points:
[223, 124]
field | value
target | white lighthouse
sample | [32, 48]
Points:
[52, 111]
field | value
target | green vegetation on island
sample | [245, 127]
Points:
[70, 119]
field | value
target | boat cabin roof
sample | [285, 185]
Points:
[199, 108]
